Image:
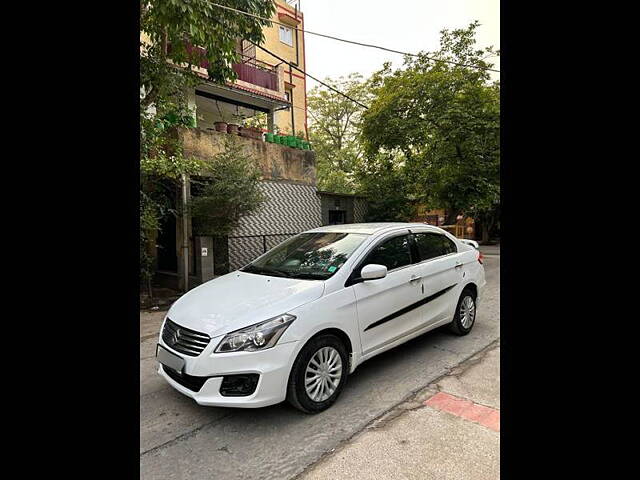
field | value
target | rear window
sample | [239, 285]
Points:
[432, 245]
[447, 245]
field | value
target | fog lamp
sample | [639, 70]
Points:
[239, 385]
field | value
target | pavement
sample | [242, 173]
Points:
[490, 249]
[449, 430]
[182, 440]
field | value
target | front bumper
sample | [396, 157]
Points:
[273, 365]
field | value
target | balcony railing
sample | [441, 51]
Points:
[257, 76]
[248, 70]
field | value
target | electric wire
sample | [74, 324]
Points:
[311, 76]
[368, 45]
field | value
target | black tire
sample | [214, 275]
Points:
[456, 325]
[296, 393]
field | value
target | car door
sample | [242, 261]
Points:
[385, 306]
[440, 272]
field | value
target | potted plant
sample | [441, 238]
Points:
[236, 125]
[254, 125]
[220, 126]
[251, 132]
[245, 131]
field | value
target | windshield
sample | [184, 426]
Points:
[313, 256]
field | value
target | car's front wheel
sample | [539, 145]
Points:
[318, 374]
[465, 315]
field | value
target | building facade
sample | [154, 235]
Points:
[288, 43]
[268, 92]
[273, 90]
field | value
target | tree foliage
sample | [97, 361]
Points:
[195, 32]
[175, 35]
[229, 190]
[444, 120]
[334, 131]
[382, 179]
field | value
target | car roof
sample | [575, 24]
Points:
[367, 228]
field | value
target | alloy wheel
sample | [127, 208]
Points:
[467, 311]
[323, 374]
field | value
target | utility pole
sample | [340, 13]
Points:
[185, 235]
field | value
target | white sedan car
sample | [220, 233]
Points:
[295, 322]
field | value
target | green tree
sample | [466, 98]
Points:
[444, 119]
[334, 131]
[228, 190]
[175, 35]
[382, 179]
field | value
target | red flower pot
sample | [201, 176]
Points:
[251, 132]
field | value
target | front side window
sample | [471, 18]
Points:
[432, 245]
[286, 35]
[393, 253]
[313, 256]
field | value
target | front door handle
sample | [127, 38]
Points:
[414, 278]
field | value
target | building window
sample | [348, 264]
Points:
[287, 95]
[286, 35]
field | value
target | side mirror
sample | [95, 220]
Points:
[373, 271]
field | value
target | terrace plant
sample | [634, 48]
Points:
[228, 189]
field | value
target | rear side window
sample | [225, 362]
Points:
[447, 245]
[393, 253]
[432, 245]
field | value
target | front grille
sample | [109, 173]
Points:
[188, 381]
[184, 340]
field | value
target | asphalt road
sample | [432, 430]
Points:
[182, 440]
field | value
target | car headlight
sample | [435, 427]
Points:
[260, 336]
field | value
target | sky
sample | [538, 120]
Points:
[406, 25]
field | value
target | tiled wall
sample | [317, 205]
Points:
[290, 208]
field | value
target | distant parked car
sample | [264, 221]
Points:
[295, 322]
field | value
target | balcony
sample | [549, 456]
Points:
[258, 89]
[257, 73]
[253, 75]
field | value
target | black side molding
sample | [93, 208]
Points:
[408, 308]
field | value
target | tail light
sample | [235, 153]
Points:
[480, 257]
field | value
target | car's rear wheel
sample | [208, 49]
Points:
[465, 315]
[318, 374]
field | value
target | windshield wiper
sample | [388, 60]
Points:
[309, 276]
[265, 271]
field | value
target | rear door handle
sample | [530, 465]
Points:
[458, 264]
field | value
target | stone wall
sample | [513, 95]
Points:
[277, 162]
